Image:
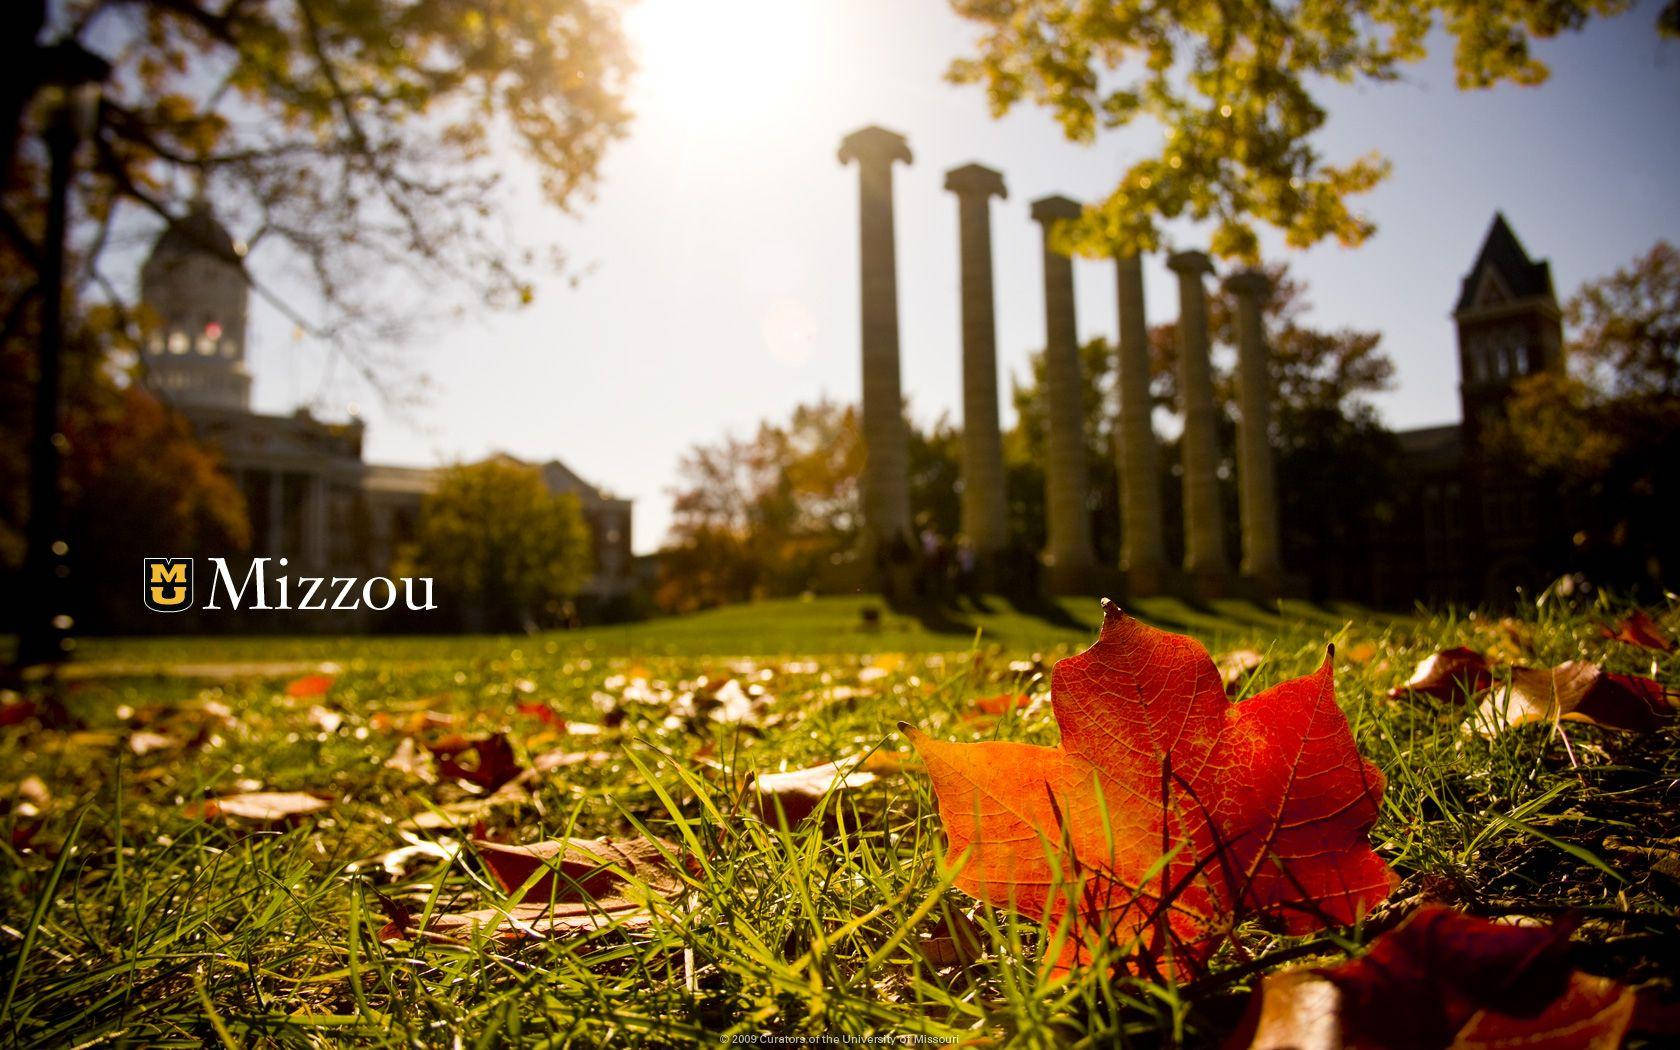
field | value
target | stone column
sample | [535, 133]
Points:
[983, 520]
[1204, 531]
[1066, 478]
[277, 515]
[1257, 485]
[886, 488]
[316, 523]
[1142, 554]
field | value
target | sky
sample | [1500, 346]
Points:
[718, 260]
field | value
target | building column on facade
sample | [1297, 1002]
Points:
[886, 489]
[984, 525]
[1204, 527]
[1071, 562]
[276, 514]
[1142, 552]
[315, 522]
[1256, 477]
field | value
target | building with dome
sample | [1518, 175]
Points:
[309, 494]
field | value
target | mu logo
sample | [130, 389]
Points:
[169, 584]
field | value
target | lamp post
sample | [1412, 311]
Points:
[45, 621]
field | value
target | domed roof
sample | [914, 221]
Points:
[198, 232]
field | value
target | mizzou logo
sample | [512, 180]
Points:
[168, 584]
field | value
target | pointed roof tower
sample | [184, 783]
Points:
[1503, 273]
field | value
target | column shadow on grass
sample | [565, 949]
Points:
[935, 617]
[1047, 610]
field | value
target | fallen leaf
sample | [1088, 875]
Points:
[1451, 675]
[1660, 858]
[1213, 811]
[145, 741]
[325, 719]
[13, 712]
[467, 814]
[24, 803]
[542, 713]
[411, 723]
[585, 867]
[1001, 703]
[1638, 628]
[1577, 691]
[731, 703]
[520, 921]
[91, 740]
[493, 762]
[1236, 665]
[549, 761]
[575, 886]
[398, 863]
[260, 807]
[1443, 978]
[309, 686]
[32, 790]
[955, 940]
[25, 806]
[409, 758]
[1360, 652]
[796, 793]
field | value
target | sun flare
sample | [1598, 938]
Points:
[718, 62]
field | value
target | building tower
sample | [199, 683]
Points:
[1509, 327]
[194, 281]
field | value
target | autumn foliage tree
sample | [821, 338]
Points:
[353, 145]
[500, 544]
[1231, 84]
[137, 483]
[773, 514]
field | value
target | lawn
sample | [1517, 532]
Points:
[824, 626]
[138, 910]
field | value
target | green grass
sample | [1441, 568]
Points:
[824, 626]
[128, 919]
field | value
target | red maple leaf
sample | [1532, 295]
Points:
[1638, 628]
[1442, 979]
[1167, 814]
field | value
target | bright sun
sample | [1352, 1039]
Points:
[718, 63]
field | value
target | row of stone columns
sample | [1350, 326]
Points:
[1070, 558]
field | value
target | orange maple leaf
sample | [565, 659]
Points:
[310, 685]
[1168, 813]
